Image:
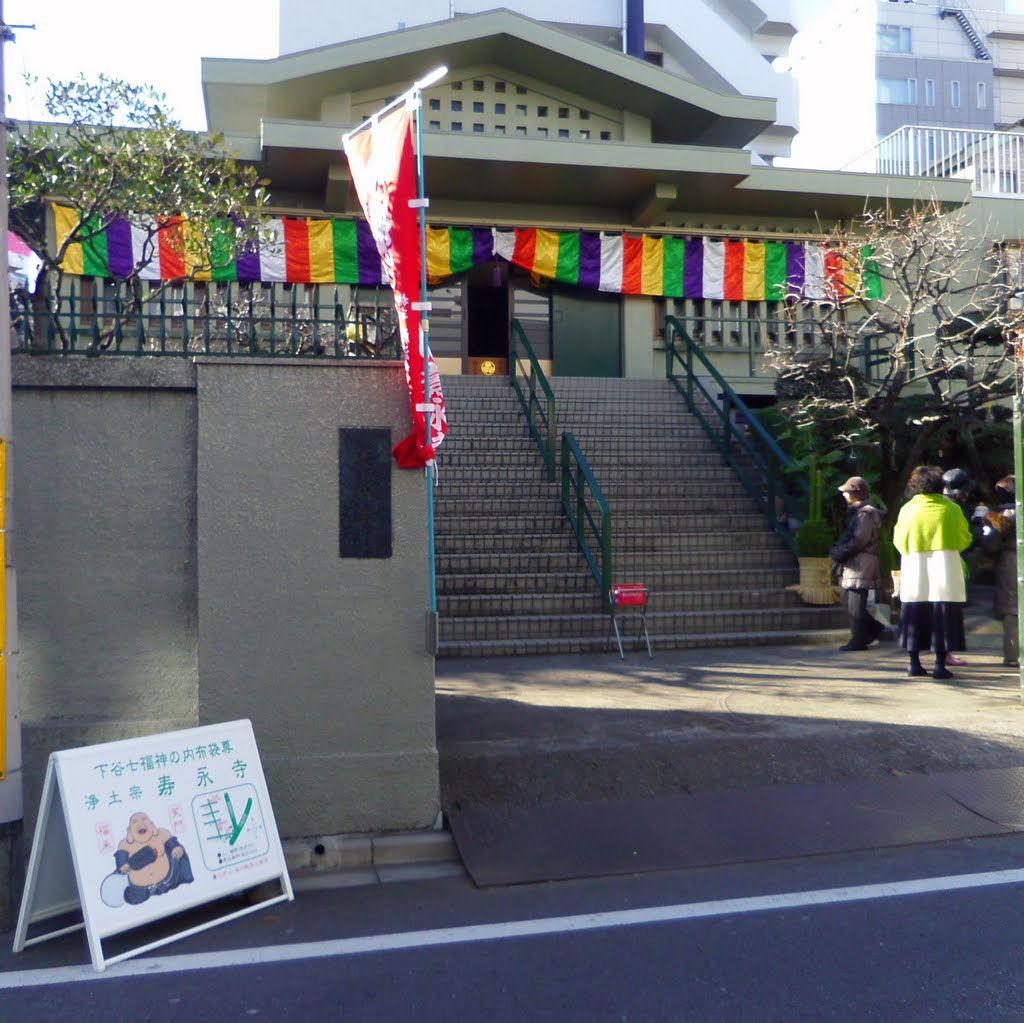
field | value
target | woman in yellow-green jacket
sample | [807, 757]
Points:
[930, 533]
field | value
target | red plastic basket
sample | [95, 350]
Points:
[629, 594]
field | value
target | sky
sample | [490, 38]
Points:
[158, 43]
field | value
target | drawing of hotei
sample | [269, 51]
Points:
[148, 861]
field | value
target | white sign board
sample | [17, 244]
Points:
[134, 831]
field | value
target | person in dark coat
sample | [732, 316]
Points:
[857, 551]
[1000, 540]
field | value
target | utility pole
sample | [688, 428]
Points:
[11, 796]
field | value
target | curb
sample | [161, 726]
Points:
[338, 861]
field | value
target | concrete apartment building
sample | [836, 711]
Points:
[867, 69]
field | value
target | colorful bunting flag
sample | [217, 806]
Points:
[310, 250]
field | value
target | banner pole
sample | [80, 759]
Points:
[417, 108]
[413, 100]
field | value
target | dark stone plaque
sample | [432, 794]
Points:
[364, 489]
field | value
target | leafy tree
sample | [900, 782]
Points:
[915, 343]
[114, 149]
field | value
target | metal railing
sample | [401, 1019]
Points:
[587, 511]
[94, 316]
[765, 470]
[535, 395]
[752, 337]
[582, 500]
[992, 161]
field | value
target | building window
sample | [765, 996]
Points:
[897, 90]
[520, 129]
[982, 96]
[456, 85]
[929, 92]
[435, 125]
[542, 111]
[478, 85]
[456, 104]
[542, 132]
[563, 112]
[456, 126]
[520, 90]
[499, 129]
[584, 133]
[954, 93]
[893, 39]
[499, 86]
[521, 109]
[478, 128]
[584, 115]
[435, 104]
[606, 136]
[499, 108]
[563, 133]
[478, 108]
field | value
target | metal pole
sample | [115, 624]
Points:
[417, 108]
[11, 799]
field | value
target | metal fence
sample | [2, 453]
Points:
[93, 316]
[993, 161]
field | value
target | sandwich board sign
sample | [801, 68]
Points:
[131, 832]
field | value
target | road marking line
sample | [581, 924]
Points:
[271, 954]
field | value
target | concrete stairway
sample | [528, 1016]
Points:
[510, 578]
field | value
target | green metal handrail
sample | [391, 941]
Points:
[587, 511]
[582, 501]
[535, 396]
[745, 448]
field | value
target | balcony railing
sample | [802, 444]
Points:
[97, 316]
[992, 161]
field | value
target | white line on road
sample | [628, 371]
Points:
[271, 954]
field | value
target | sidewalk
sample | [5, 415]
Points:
[534, 736]
[516, 735]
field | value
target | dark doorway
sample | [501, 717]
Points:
[487, 319]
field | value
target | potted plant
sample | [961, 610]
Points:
[813, 540]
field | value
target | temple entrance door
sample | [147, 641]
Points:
[487, 319]
[586, 333]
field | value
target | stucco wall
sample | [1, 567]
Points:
[327, 655]
[176, 542]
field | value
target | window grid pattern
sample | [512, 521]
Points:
[503, 107]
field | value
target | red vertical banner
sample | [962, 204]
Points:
[733, 284]
[835, 276]
[383, 166]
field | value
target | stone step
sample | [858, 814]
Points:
[627, 462]
[588, 601]
[628, 566]
[455, 584]
[532, 646]
[658, 580]
[659, 623]
[549, 517]
[626, 544]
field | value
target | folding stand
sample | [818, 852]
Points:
[626, 598]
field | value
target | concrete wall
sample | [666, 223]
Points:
[176, 541]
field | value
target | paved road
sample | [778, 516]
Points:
[924, 933]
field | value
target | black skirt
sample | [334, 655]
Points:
[924, 624]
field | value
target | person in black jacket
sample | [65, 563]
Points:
[857, 551]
